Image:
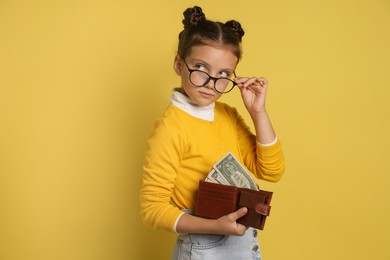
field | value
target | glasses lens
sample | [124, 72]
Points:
[223, 85]
[199, 78]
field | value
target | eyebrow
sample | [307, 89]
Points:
[208, 65]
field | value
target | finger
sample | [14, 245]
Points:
[263, 81]
[249, 82]
[241, 229]
[252, 82]
[243, 79]
[239, 213]
[240, 81]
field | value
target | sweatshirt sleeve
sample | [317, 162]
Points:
[266, 162]
[269, 162]
[160, 170]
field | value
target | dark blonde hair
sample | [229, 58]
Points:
[200, 31]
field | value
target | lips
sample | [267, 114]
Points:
[207, 95]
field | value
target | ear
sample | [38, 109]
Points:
[177, 64]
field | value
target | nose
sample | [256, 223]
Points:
[210, 84]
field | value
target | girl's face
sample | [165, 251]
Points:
[217, 61]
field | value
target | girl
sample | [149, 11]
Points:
[196, 131]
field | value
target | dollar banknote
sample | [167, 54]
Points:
[230, 171]
[216, 177]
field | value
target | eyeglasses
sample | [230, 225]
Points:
[200, 79]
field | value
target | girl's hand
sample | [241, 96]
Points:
[253, 93]
[227, 225]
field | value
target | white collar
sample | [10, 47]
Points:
[184, 103]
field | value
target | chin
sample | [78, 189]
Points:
[202, 101]
[203, 104]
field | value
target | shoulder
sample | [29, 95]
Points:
[172, 124]
[172, 117]
[168, 132]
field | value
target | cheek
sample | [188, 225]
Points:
[186, 84]
[218, 95]
[185, 81]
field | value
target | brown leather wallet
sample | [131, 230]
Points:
[216, 200]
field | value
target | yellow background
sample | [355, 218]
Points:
[81, 83]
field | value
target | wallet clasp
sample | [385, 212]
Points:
[262, 209]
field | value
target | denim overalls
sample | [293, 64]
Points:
[217, 247]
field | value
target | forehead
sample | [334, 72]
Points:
[215, 55]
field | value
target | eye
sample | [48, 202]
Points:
[225, 74]
[200, 67]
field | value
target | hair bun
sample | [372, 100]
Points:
[236, 28]
[193, 16]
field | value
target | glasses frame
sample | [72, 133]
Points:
[210, 78]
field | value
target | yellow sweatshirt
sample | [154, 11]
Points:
[183, 149]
